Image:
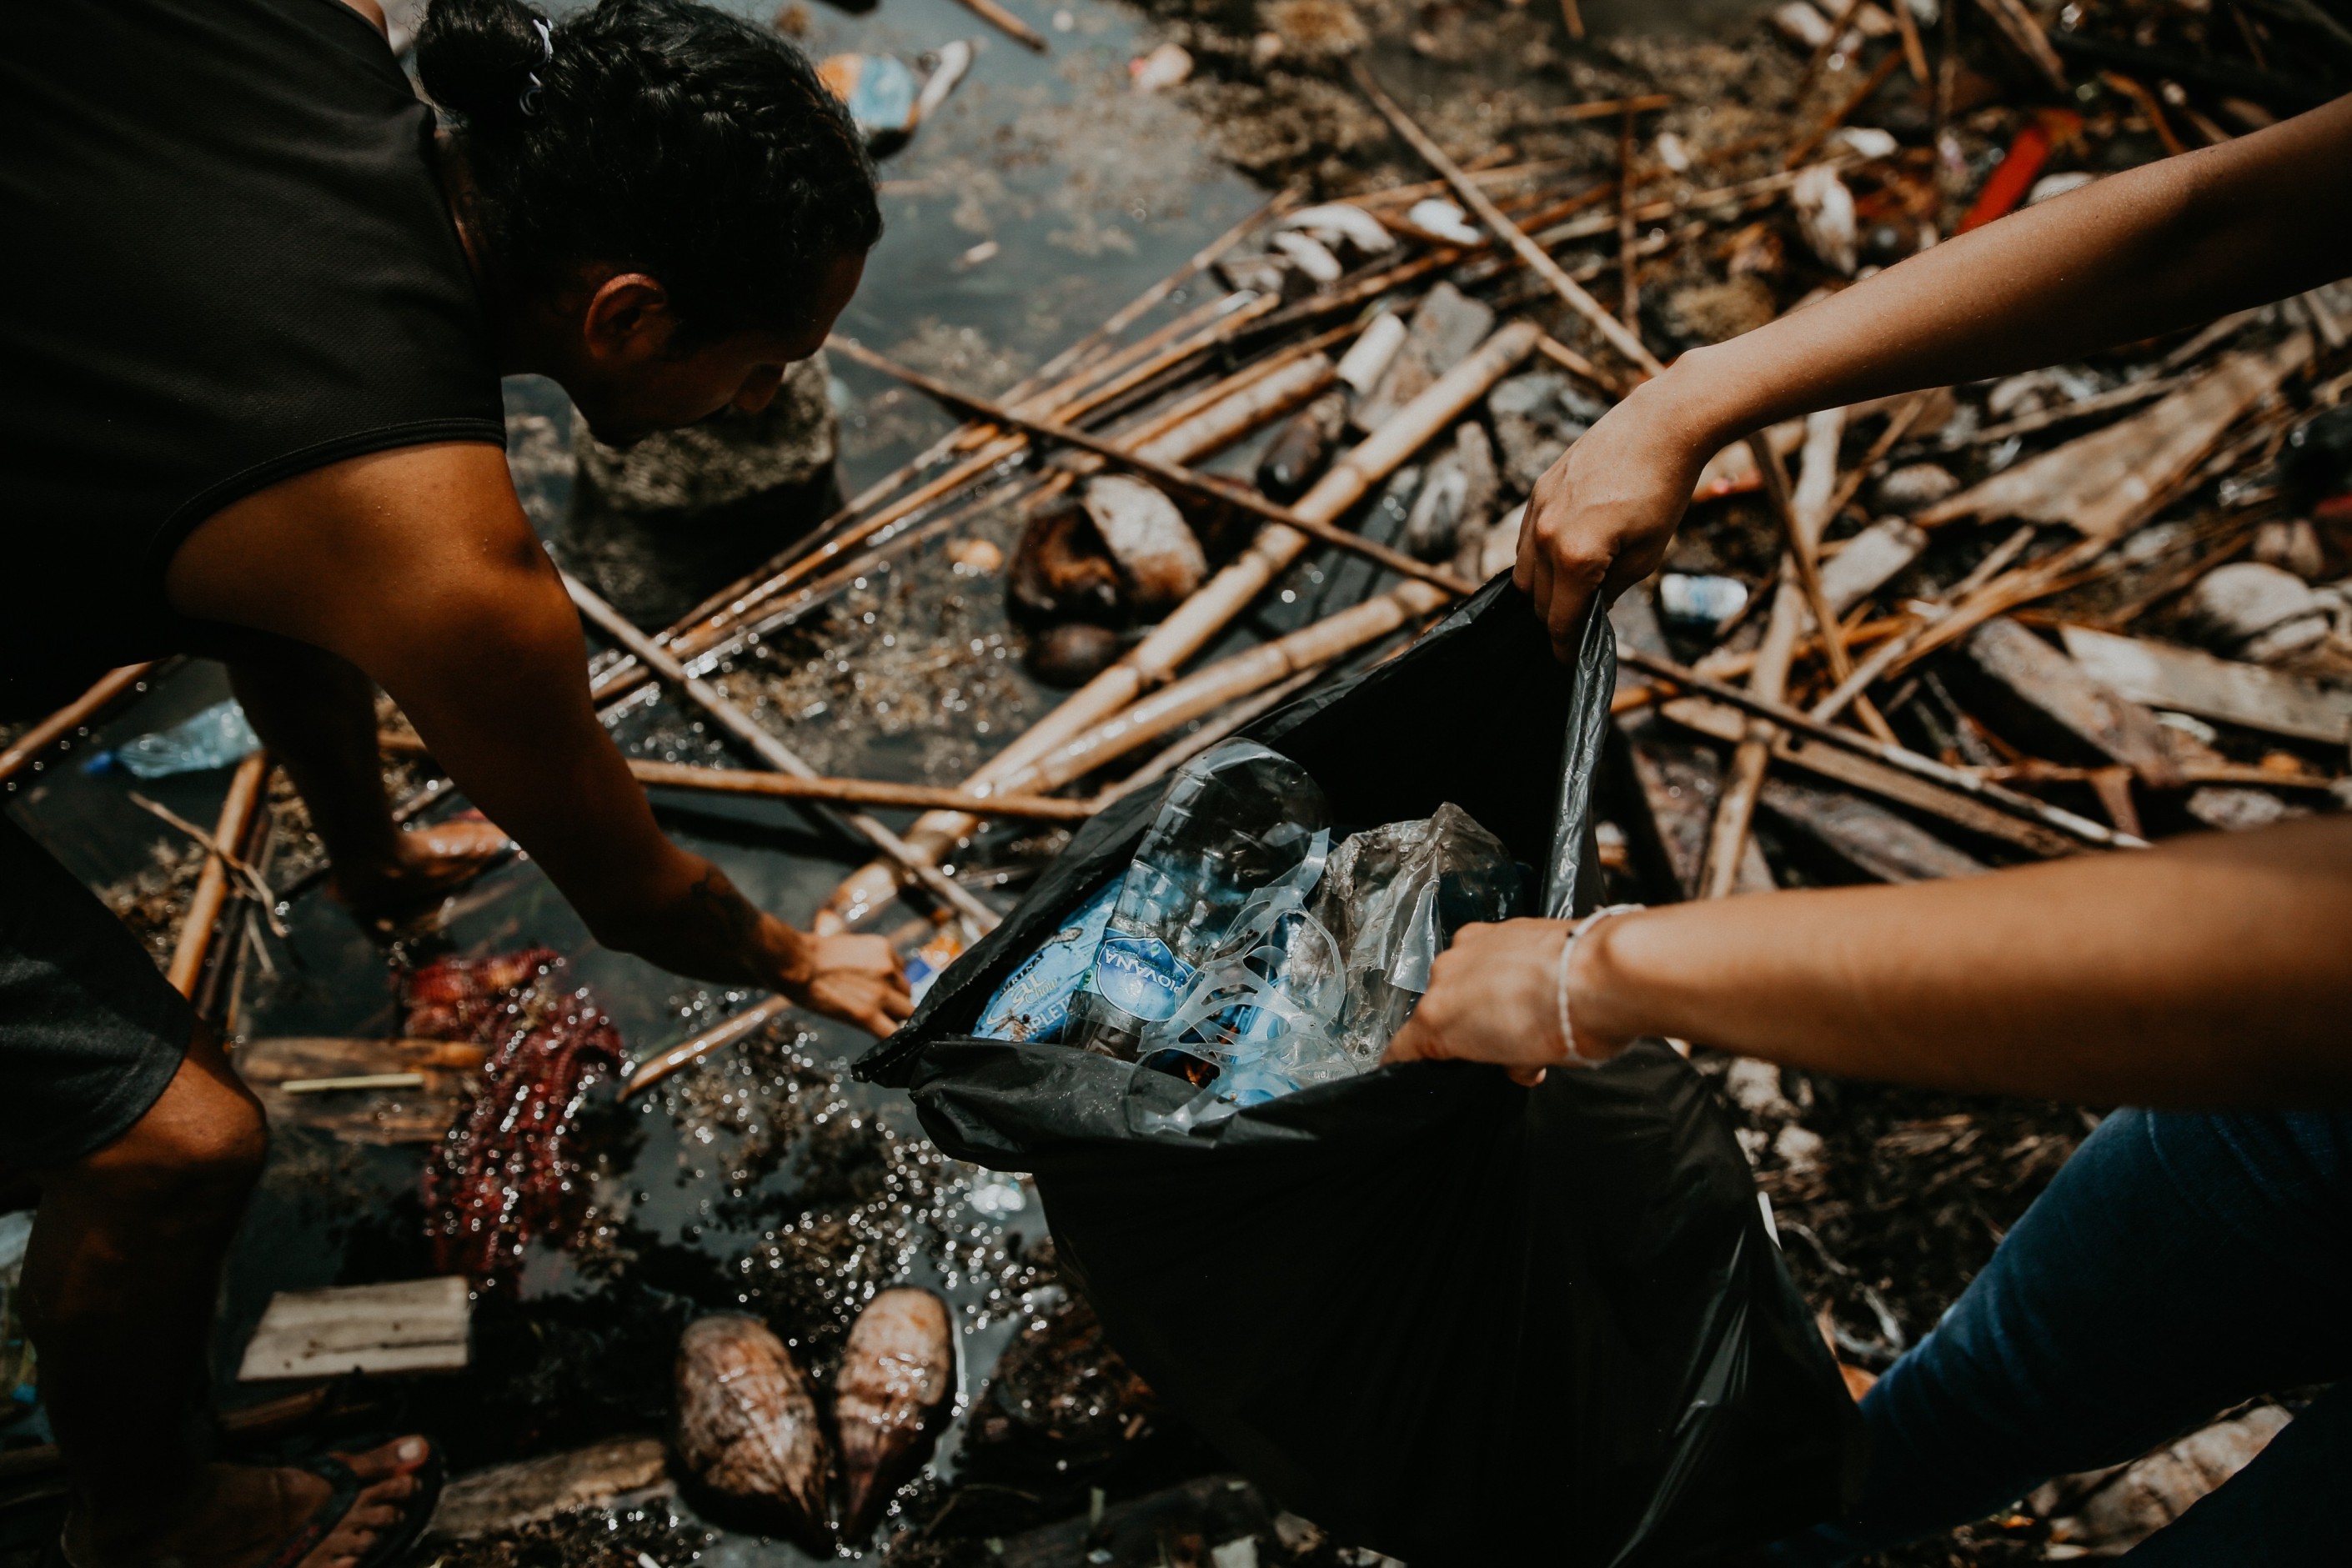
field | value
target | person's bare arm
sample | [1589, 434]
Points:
[418, 566]
[2213, 971]
[2168, 245]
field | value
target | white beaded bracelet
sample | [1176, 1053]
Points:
[1573, 1057]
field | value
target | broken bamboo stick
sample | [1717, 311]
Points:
[857, 791]
[71, 717]
[717, 1037]
[1169, 475]
[769, 749]
[1536, 259]
[1019, 31]
[1216, 603]
[245, 796]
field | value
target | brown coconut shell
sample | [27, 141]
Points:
[890, 1398]
[748, 1428]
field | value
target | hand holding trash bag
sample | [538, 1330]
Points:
[2168, 245]
[1499, 995]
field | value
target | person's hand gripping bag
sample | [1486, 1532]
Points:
[1439, 1314]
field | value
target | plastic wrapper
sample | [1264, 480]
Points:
[1442, 1316]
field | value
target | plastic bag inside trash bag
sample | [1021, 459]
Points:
[1442, 1316]
[1393, 896]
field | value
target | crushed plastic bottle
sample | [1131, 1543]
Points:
[1033, 1002]
[1700, 600]
[1239, 820]
[212, 738]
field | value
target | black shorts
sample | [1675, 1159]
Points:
[90, 1032]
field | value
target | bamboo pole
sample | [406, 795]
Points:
[1216, 603]
[1538, 260]
[1226, 681]
[71, 717]
[719, 1037]
[1629, 302]
[245, 797]
[1169, 475]
[856, 791]
[768, 749]
[1246, 398]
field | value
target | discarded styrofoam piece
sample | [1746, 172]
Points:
[1367, 359]
[1342, 220]
[507, 1497]
[1436, 216]
[1311, 256]
[409, 1325]
[1826, 217]
[2188, 681]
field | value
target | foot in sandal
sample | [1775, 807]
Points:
[430, 863]
[344, 1510]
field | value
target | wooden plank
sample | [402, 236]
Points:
[409, 1325]
[1868, 836]
[2038, 697]
[389, 1116]
[1888, 783]
[507, 1497]
[2103, 481]
[2183, 679]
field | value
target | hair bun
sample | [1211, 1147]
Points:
[477, 57]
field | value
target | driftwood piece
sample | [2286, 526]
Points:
[1869, 561]
[1868, 836]
[1888, 783]
[507, 1497]
[896, 1382]
[2162, 675]
[2103, 483]
[420, 1113]
[413, 1325]
[748, 1428]
[2050, 704]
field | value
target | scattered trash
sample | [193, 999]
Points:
[1168, 66]
[1700, 600]
[215, 738]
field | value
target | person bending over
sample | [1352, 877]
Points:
[249, 407]
[2188, 1257]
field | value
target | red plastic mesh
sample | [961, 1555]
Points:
[503, 1175]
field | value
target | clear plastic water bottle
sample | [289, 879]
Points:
[1239, 819]
[212, 738]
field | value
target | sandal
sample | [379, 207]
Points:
[343, 1488]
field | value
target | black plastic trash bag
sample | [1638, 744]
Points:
[1439, 1314]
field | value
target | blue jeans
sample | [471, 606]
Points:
[2179, 1264]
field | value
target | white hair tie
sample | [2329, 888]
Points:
[530, 100]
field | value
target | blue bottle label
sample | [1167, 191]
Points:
[1138, 975]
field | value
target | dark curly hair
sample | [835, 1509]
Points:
[660, 136]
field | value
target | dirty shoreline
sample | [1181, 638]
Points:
[764, 1180]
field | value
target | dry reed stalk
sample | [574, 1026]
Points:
[769, 749]
[245, 796]
[1538, 261]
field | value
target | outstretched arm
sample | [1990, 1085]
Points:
[2213, 971]
[418, 566]
[2165, 245]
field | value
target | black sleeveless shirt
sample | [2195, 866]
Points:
[225, 258]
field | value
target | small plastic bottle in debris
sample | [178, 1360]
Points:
[212, 738]
[1700, 600]
[1238, 819]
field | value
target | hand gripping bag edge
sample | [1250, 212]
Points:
[1441, 1315]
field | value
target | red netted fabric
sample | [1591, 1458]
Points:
[502, 1174]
